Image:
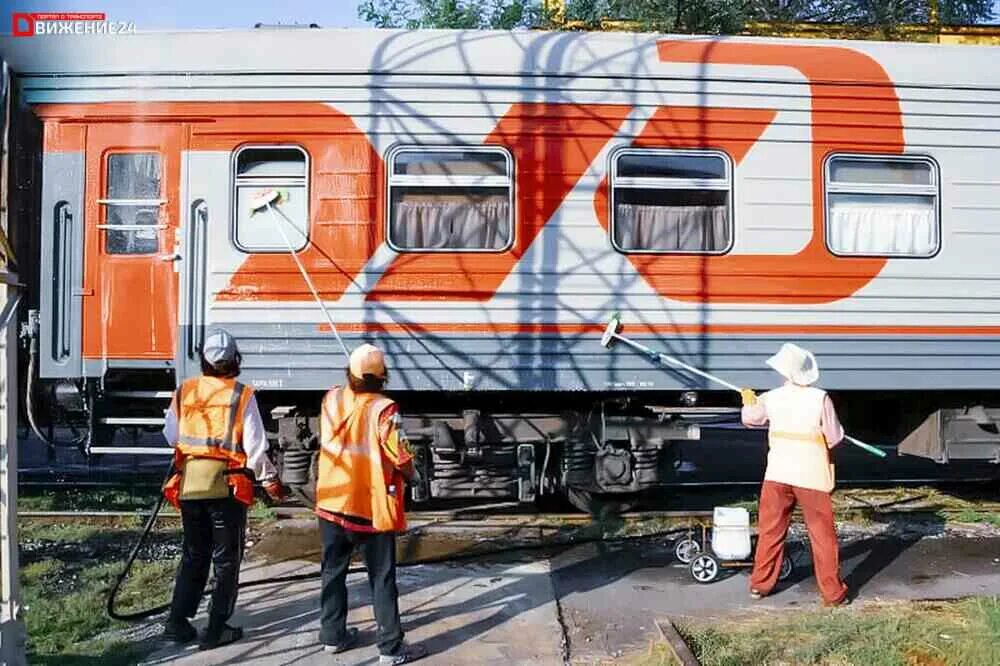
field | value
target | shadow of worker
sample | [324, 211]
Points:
[878, 551]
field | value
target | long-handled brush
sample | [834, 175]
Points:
[611, 333]
[268, 199]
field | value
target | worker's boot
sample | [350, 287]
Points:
[350, 640]
[217, 634]
[404, 655]
[179, 630]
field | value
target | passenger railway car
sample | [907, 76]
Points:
[478, 204]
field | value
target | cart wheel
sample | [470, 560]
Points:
[786, 568]
[704, 568]
[686, 549]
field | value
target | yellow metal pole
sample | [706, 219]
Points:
[556, 11]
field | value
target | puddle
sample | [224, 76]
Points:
[302, 543]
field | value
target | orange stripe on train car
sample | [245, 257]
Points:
[661, 329]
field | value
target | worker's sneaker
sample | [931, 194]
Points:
[405, 655]
[179, 631]
[213, 638]
[350, 640]
[756, 595]
[844, 601]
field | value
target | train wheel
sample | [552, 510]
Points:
[786, 568]
[686, 549]
[704, 568]
[601, 505]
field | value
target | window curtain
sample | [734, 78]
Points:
[451, 223]
[671, 228]
[864, 226]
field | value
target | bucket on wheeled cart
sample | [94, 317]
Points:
[731, 546]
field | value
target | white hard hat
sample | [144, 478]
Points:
[367, 360]
[795, 364]
[219, 347]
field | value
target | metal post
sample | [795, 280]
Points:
[12, 635]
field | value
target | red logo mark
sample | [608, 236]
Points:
[22, 25]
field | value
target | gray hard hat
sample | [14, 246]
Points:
[219, 347]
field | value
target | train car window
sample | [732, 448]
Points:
[671, 201]
[260, 168]
[132, 204]
[882, 206]
[445, 199]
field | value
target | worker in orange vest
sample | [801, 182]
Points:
[802, 428]
[364, 463]
[220, 446]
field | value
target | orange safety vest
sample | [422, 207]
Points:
[356, 479]
[210, 425]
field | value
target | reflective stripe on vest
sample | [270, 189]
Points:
[355, 478]
[812, 438]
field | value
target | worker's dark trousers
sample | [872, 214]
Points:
[379, 551]
[214, 534]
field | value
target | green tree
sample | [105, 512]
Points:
[700, 16]
[456, 14]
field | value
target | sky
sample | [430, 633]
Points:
[167, 14]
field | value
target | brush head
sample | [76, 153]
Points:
[614, 325]
[262, 199]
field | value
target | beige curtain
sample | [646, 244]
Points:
[451, 222]
[671, 228]
[882, 226]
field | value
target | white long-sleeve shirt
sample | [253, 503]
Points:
[254, 439]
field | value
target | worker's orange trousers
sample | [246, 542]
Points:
[776, 503]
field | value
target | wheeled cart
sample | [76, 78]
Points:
[730, 546]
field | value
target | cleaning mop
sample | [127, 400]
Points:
[269, 199]
[611, 334]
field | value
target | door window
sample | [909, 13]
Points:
[132, 204]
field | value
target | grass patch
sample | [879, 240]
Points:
[960, 633]
[262, 512]
[973, 516]
[83, 499]
[67, 573]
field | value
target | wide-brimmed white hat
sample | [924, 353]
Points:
[795, 364]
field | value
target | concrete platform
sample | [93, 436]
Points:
[498, 613]
[588, 604]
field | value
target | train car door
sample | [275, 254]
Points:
[130, 284]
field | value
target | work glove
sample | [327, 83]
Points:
[749, 397]
[275, 490]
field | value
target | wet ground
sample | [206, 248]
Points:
[577, 603]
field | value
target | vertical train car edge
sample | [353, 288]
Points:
[478, 204]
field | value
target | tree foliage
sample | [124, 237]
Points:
[697, 16]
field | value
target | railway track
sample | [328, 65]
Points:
[479, 517]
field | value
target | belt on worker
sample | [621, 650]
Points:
[815, 438]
